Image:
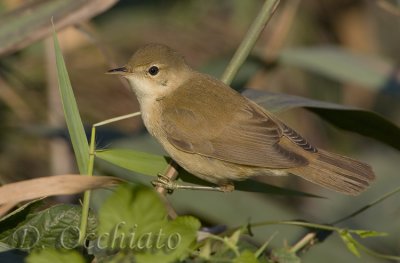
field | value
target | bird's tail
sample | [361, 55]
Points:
[336, 172]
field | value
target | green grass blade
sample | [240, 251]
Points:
[135, 161]
[71, 112]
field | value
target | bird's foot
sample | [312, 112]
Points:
[164, 182]
[170, 186]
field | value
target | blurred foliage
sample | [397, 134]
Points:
[341, 51]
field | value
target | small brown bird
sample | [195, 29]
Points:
[220, 136]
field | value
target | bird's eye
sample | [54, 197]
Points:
[153, 70]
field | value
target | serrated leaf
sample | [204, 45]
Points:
[284, 255]
[128, 215]
[71, 112]
[246, 257]
[352, 119]
[340, 65]
[133, 223]
[55, 256]
[140, 162]
[350, 242]
[55, 227]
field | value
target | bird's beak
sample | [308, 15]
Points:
[118, 71]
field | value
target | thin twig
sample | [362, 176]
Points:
[306, 240]
[282, 26]
[249, 40]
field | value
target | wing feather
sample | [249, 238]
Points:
[235, 129]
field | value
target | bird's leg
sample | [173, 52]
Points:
[170, 186]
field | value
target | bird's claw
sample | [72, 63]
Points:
[164, 182]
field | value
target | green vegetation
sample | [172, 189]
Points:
[259, 222]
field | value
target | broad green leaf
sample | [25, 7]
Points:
[352, 119]
[246, 257]
[31, 21]
[133, 222]
[350, 242]
[55, 256]
[339, 64]
[284, 255]
[55, 227]
[151, 164]
[71, 112]
[11, 220]
[129, 214]
[140, 162]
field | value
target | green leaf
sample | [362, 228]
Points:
[177, 237]
[18, 215]
[140, 162]
[133, 221]
[234, 238]
[55, 256]
[246, 257]
[339, 64]
[205, 250]
[369, 233]
[352, 119]
[55, 227]
[350, 242]
[284, 255]
[5, 247]
[71, 112]
[128, 215]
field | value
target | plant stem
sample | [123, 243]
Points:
[249, 40]
[86, 196]
[92, 149]
[307, 239]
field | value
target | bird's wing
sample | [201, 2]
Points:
[230, 128]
